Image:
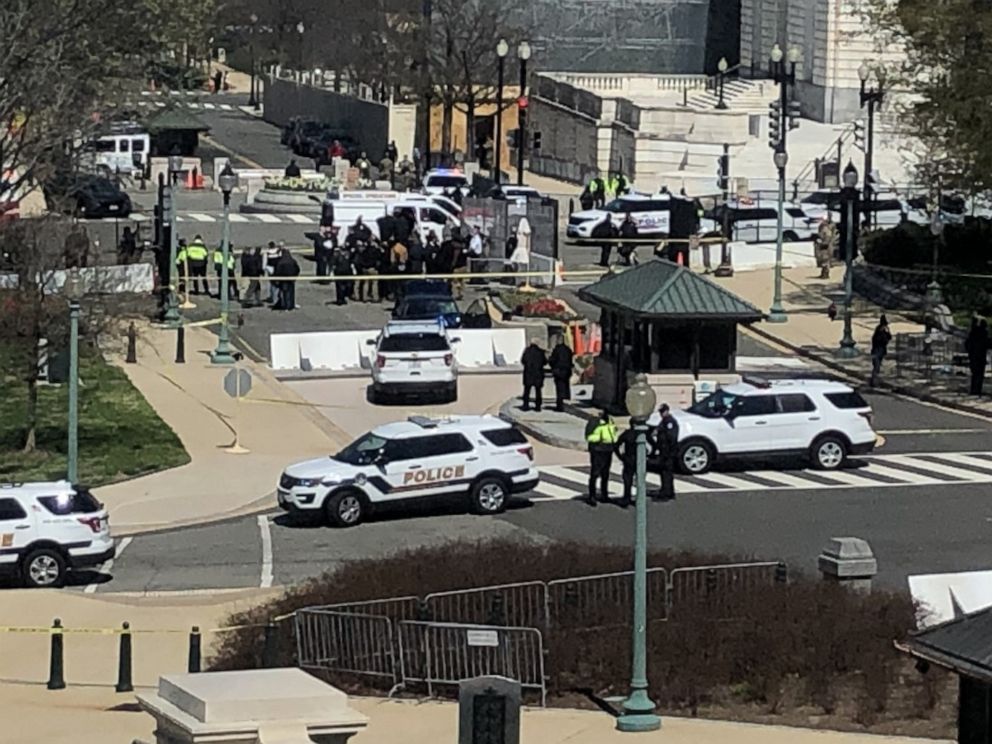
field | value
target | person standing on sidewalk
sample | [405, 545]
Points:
[977, 346]
[826, 243]
[626, 450]
[251, 269]
[561, 371]
[879, 347]
[601, 435]
[533, 361]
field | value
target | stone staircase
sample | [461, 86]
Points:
[739, 95]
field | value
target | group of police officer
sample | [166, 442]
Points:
[604, 441]
[191, 264]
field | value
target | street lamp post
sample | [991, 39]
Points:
[502, 49]
[523, 54]
[721, 70]
[849, 203]
[252, 96]
[300, 29]
[73, 289]
[638, 709]
[169, 202]
[871, 97]
[783, 73]
[937, 230]
[228, 181]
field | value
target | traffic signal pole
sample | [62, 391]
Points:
[726, 267]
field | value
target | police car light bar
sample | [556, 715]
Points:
[423, 422]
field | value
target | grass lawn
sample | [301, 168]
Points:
[120, 435]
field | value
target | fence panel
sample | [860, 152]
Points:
[447, 653]
[716, 586]
[395, 608]
[606, 599]
[346, 642]
[507, 604]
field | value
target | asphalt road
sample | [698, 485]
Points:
[937, 525]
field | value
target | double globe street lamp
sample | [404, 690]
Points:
[73, 290]
[502, 49]
[228, 181]
[638, 709]
[523, 54]
[849, 232]
[721, 70]
[175, 164]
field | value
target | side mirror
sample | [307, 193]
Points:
[370, 342]
[456, 340]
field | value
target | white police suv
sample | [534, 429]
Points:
[481, 459]
[414, 357]
[47, 529]
[820, 420]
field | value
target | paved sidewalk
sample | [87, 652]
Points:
[275, 424]
[810, 332]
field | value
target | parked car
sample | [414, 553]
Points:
[818, 420]
[652, 213]
[434, 306]
[303, 133]
[99, 197]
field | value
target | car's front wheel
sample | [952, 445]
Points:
[696, 457]
[43, 568]
[345, 509]
[828, 452]
[489, 495]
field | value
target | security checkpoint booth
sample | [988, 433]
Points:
[675, 326]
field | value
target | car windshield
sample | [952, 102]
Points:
[363, 451]
[618, 205]
[715, 405]
[100, 187]
[426, 307]
[414, 342]
[446, 182]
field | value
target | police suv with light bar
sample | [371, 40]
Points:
[481, 459]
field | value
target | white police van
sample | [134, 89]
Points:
[48, 529]
[481, 459]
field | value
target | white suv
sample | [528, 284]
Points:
[750, 223]
[414, 357]
[653, 215]
[821, 420]
[46, 529]
[481, 458]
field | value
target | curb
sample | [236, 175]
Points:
[882, 385]
[506, 412]
[259, 506]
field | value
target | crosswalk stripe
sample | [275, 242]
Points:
[239, 218]
[226, 106]
[302, 219]
[737, 484]
[566, 474]
[848, 478]
[555, 492]
[783, 479]
[926, 465]
[200, 217]
[969, 460]
[267, 218]
[904, 477]
[208, 106]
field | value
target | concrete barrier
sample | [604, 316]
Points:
[134, 278]
[349, 351]
[751, 256]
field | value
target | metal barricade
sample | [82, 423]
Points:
[447, 653]
[346, 642]
[395, 608]
[520, 604]
[715, 586]
[603, 600]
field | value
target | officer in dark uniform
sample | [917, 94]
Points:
[561, 370]
[601, 436]
[626, 450]
[666, 444]
[533, 361]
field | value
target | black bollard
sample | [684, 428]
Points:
[56, 667]
[132, 339]
[180, 345]
[781, 573]
[270, 646]
[124, 683]
[193, 663]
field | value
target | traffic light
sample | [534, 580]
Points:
[859, 135]
[774, 124]
[793, 112]
[536, 143]
[723, 172]
[513, 139]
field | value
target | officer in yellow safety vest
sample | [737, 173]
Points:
[196, 254]
[232, 284]
[601, 435]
